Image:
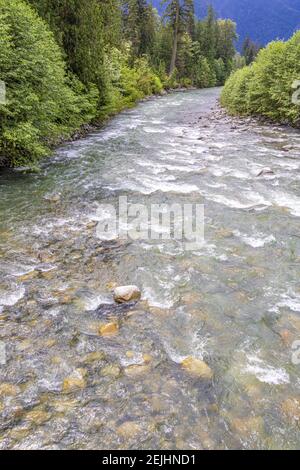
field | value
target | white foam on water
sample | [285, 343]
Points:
[256, 241]
[253, 200]
[9, 299]
[16, 269]
[290, 300]
[242, 175]
[154, 130]
[92, 302]
[266, 373]
[212, 158]
[180, 168]
[194, 346]
[219, 145]
[159, 290]
[257, 199]
[288, 165]
[216, 185]
[156, 299]
[289, 201]
[217, 171]
[164, 187]
[164, 293]
[155, 168]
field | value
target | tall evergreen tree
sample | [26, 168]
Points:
[79, 28]
[250, 50]
[139, 25]
[210, 34]
[180, 14]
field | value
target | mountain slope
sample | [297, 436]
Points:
[262, 20]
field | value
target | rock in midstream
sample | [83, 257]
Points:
[124, 294]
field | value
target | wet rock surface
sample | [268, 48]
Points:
[124, 294]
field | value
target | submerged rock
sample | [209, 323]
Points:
[38, 417]
[75, 381]
[93, 357]
[111, 370]
[136, 369]
[129, 429]
[265, 171]
[147, 358]
[109, 329]
[8, 390]
[247, 426]
[124, 294]
[52, 197]
[197, 367]
[291, 409]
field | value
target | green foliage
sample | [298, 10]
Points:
[128, 84]
[250, 50]
[69, 62]
[265, 87]
[43, 103]
[235, 92]
[238, 62]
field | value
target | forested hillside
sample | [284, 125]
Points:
[262, 20]
[69, 63]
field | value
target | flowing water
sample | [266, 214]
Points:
[234, 302]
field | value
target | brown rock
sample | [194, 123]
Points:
[111, 370]
[8, 390]
[93, 357]
[75, 381]
[136, 369]
[38, 417]
[147, 358]
[247, 426]
[129, 429]
[109, 329]
[197, 367]
[291, 408]
[287, 337]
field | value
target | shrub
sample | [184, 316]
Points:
[43, 103]
[265, 87]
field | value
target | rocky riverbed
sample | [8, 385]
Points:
[204, 359]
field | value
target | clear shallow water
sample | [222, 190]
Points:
[235, 303]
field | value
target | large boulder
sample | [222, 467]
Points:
[124, 294]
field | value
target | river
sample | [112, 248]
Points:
[233, 302]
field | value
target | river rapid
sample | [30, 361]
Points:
[234, 302]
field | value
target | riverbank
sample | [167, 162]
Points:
[90, 128]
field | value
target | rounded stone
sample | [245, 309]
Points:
[197, 367]
[124, 294]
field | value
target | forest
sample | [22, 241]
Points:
[69, 63]
[269, 85]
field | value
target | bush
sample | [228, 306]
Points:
[235, 95]
[204, 74]
[265, 87]
[43, 103]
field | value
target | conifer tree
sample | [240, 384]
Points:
[180, 14]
